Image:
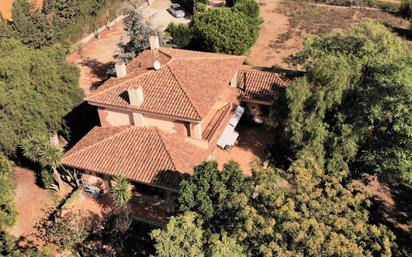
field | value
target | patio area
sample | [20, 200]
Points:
[252, 142]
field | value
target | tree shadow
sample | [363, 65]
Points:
[98, 68]
[80, 121]
[136, 241]
[402, 32]
[396, 216]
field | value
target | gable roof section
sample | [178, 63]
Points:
[185, 87]
[145, 155]
[255, 84]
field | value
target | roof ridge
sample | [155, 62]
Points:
[184, 92]
[104, 140]
[159, 133]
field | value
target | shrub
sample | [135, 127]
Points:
[121, 192]
[225, 31]
[406, 8]
[181, 35]
[248, 7]
[200, 7]
[48, 181]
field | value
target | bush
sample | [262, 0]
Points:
[181, 35]
[200, 7]
[225, 31]
[406, 8]
[248, 7]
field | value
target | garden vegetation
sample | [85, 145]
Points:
[353, 107]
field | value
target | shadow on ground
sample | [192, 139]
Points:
[396, 216]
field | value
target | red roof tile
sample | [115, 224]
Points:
[254, 84]
[145, 155]
[185, 87]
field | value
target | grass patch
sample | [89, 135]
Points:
[72, 199]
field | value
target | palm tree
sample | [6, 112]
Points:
[121, 192]
[39, 149]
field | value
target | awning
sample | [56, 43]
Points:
[229, 135]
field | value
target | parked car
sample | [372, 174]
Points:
[177, 11]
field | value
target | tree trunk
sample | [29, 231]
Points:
[56, 177]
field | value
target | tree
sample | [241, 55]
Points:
[181, 35]
[248, 7]
[223, 30]
[30, 25]
[313, 215]
[139, 32]
[37, 89]
[8, 211]
[208, 191]
[353, 107]
[39, 149]
[121, 192]
[182, 237]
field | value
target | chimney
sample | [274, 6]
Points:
[121, 70]
[154, 42]
[135, 96]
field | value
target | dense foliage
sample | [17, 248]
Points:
[37, 89]
[225, 30]
[59, 20]
[248, 7]
[314, 215]
[181, 35]
[7, 209]
[353, 108]
[30, 25]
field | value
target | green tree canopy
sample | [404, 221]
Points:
[30, 25]
[37, 89]
[313, 215]
[248, 7]
[224, 30]
[8, 212]
[353, 107]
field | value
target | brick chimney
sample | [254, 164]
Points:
[135, 96]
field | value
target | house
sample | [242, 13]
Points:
[6, 5]
[164, 113]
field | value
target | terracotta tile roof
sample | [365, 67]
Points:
[185, 87]
[145, 155]
[255, 84]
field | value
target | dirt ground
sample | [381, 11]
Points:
[392, 206]
[33, 204]
[286, 25]
[251, 145]
[142, 207]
